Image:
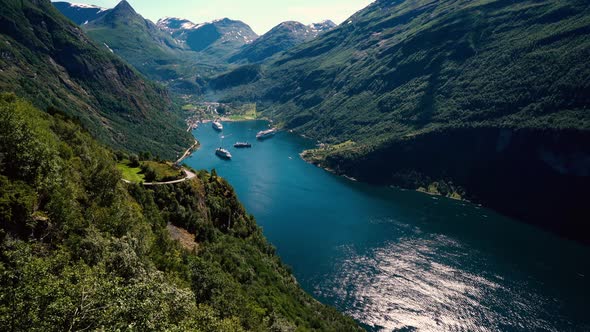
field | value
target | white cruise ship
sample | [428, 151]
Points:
[223, 153]
[217, 125]
[266, 133]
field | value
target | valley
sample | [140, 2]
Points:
[397, 101]
[397, 259]
[426, 171]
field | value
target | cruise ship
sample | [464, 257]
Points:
[242, 145]
[217, 125]
[223, 153]
[266, 133]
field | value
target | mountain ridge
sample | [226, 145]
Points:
[50, 61]
[399, 77]
[78, 13]
[281, 38]
[154, 52]
[216, 39]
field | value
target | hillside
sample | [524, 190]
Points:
[81, 250]
[50, 61]
[281, 38]
[79, 13]
[175, 52]
[141, 43]
[215, 41]
[487, 100]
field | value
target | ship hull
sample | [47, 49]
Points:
[223, 154]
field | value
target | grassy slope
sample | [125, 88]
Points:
[49, 60]
[129, 173]
[160, 56]
[141, 43]
[164, 171]
[402, 68]
[81, 250]
[486, 100]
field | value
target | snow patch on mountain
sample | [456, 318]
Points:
[85, 6]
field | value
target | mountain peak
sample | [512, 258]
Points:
[323, 26]
[80, 13]
[124, 6]
[172, 24]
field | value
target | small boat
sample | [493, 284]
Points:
[266, 133]
[223, 153]
[217, 125]
[242, 145]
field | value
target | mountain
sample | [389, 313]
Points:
[51, 62]
[141, 43]
[80, 13]
[321, 27]
[175, 52]
[217, 40]
[82, 250]
[483, 100]
[281, 38]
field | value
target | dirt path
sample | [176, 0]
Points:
[189, 175]
[188, 152]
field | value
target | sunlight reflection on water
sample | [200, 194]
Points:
[415, 284]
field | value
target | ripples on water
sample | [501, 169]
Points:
[417, 283]
[397, 260]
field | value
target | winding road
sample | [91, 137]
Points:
[189, 175]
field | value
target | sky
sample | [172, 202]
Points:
[261, 15]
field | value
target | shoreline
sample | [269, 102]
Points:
[224, 119]
[327, 169]
[353, 179]
[196, 145]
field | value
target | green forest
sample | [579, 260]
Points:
[453, 97]
[48, 60]
[82, 250]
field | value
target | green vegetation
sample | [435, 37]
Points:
[148, 171]
[48, 60]
[81, 250]
[404, 68]
[239, 76]
[152, 51]
[486, 100]
[189, 107]
[280, 38]
[215, 41]
[232, 111]
[177, 57]
[239, 112]
[162, 171]
[133, 174]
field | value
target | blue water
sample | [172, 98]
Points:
[396, 259]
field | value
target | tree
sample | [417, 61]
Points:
[149, 174]
[133, 160]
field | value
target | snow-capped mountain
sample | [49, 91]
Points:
[322, 26]
[281, 38]
[80, 13]
[173, 24]
[221, 37]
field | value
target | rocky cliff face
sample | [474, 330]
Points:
[52, 62]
